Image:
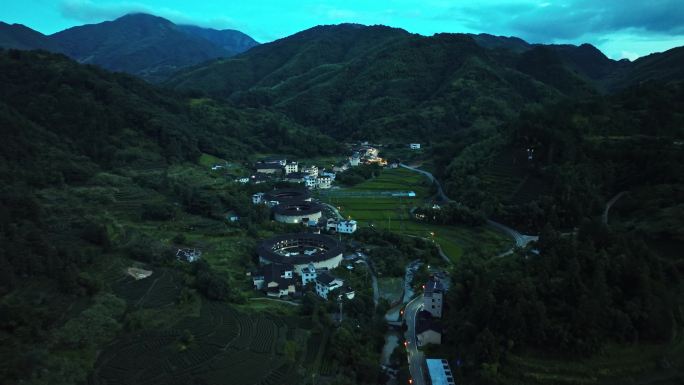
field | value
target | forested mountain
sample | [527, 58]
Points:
[231, 40]
[92, 119]
[144, 45]
[19, 36]
[374, 81]
[86, 156]
[377, 82]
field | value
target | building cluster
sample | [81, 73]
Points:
[366, 154]
[428, 325]
[188, 255]
[281, 169]
[289, 263]
[361, 153]
[280, 280]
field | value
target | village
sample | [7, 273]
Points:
[317, 243]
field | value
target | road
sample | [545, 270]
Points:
[415, 356]
[521, 240]
[440, 192]
[609, 205]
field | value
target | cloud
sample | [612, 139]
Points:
[628, 55]
[570, 19]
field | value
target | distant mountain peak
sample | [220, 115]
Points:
[139, 43]
[141, 16]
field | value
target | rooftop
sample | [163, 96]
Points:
[426, 322]
[440, 372]
[325, 278]
[433, 285]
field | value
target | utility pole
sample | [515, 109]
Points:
[339, 300]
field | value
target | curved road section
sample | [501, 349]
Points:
[415, 356]
[604, 217]
[521, 240]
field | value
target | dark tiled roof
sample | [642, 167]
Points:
[434, 285]
[325, 278]
[424, 325]
[272, 273]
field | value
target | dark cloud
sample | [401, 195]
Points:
[571, 19]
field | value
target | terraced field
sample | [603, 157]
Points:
[160, 289]
[221, 346]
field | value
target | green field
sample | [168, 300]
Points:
[370, 206]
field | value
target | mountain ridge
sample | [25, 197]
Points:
[145, 45]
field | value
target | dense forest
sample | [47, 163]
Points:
[572, 297]
[563, 162]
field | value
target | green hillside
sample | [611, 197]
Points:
[102, 174]
[379, 82]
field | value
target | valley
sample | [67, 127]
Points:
[184, 205]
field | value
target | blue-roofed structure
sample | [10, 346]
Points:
[439, 372]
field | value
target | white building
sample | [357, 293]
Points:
[432, 297]
[324, 182]
[354, 160]
[258, 198]
[291, 167]
[346, 227]
[325, 283]
[330, 175]
[311, 170]
[341, 168]
[310, 181]
[308, 274]
[414, 146]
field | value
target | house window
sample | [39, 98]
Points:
[433, 306]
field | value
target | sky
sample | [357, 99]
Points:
[620, 28]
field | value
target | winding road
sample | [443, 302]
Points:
[415, 356]
[610, 204]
